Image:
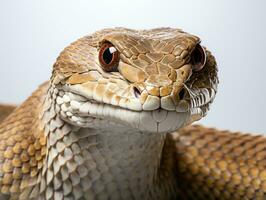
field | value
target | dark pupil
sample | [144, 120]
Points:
[197, 56]
[107, 56]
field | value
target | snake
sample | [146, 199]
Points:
[115, 122]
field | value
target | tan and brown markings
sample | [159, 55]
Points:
[111, 124]
[5, 110]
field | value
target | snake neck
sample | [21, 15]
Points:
[122, 163]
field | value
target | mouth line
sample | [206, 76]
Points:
[85, 112]
[79, 110]
[192, 99]
[76, 94]
[84, 109]
[70, 99]
[76, 100]
[79, 106]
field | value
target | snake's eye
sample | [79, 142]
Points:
[198, 58]
[108, 57]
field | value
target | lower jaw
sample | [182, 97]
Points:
[108, 116]
[92, 114]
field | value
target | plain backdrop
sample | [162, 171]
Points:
[32, 33]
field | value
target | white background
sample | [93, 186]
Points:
[32, 33]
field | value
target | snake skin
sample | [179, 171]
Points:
[92, 134]
[5, 110]
[214, 164]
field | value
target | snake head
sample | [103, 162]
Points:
[154, 80]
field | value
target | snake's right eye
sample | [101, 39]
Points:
[108, 57]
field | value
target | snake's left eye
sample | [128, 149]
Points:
[108, 57]
[198, 58]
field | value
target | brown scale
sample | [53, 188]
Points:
[22, 146]
[5, 110]
[213, 164]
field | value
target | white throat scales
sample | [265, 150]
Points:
[98, 163]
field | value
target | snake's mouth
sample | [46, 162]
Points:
[79, 110]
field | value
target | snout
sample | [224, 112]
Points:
[162, 91]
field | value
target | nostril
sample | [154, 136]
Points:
[136, 92]
[182, 94]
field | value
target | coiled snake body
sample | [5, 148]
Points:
[113, 123]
